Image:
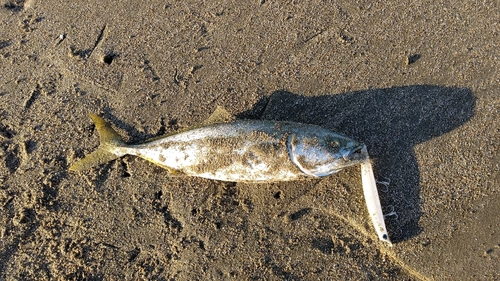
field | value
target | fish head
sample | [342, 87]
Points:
[323, 153]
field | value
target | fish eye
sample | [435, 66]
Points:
[333, 144]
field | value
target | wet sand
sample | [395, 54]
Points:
[417, 82]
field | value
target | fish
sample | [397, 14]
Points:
[236, 150]
[255, 151]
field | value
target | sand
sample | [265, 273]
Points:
[417, 82]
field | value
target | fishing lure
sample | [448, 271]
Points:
[372, 200]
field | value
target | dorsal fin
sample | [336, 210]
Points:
[220, 115]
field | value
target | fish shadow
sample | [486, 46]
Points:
[391, 122]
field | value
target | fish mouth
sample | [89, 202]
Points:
[356, 155]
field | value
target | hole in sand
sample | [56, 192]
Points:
[108, 59]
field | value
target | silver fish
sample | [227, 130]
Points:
[237, 150]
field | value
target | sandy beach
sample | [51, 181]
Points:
[417, 82]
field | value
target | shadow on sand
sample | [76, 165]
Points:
[390, 122]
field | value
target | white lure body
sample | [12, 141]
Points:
[372, 200]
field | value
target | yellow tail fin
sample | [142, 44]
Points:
[106, 151]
